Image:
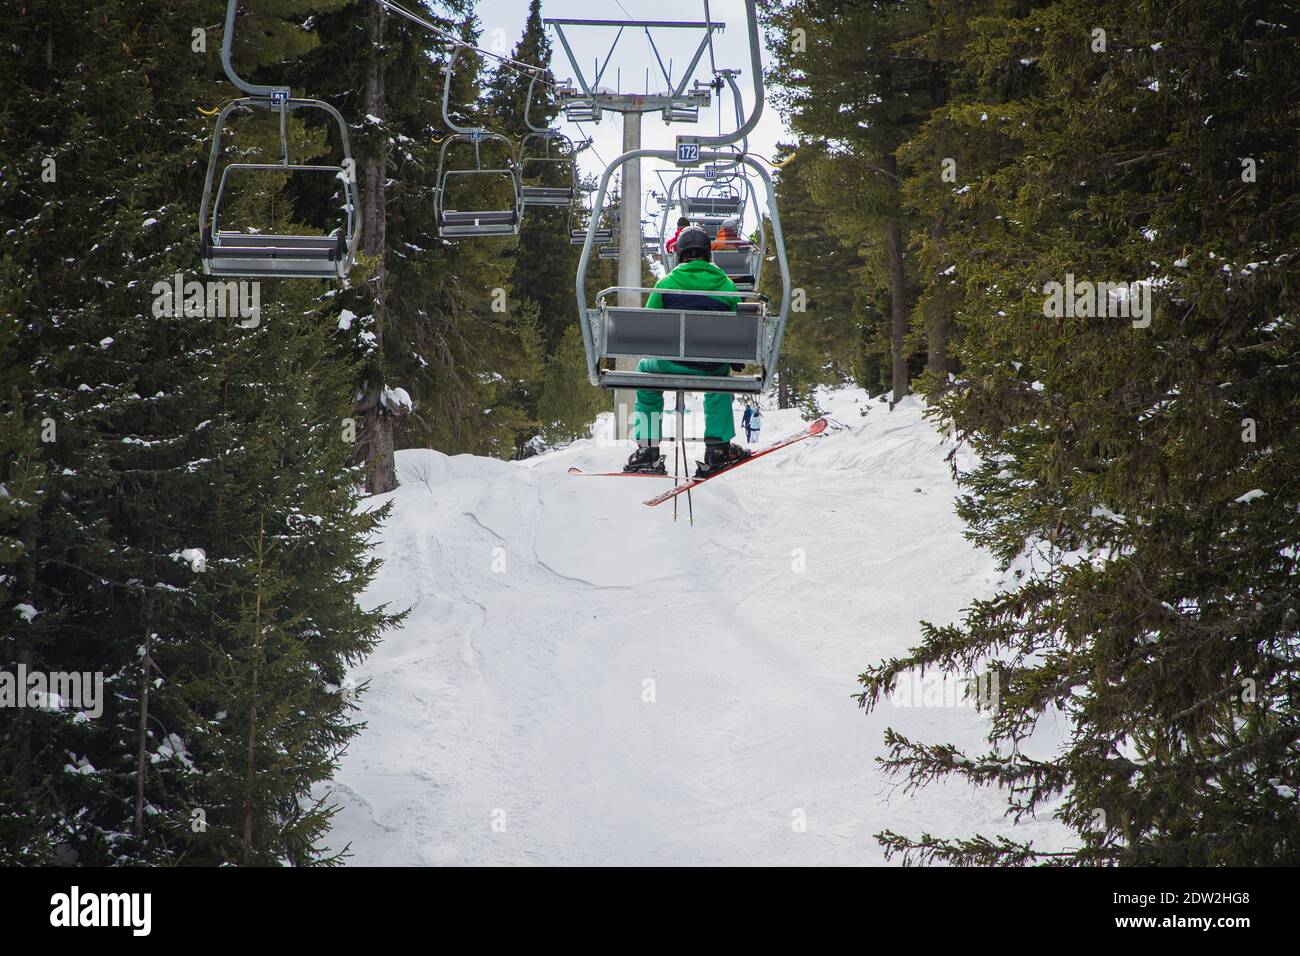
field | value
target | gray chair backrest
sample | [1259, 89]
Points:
[682, 335]
[734, 262]
[711, 206]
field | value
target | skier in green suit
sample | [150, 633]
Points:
[685, 288]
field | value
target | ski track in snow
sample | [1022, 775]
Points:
[516, 695]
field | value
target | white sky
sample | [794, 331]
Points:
[502, 22]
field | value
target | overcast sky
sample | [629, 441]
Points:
[502, 22]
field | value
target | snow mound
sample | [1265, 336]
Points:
[583, 681]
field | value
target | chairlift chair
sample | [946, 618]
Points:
[550, 150]
[686, 109]
[724, 181]
[752, 335]
[738, 264]
[550, 142]
[677, 112]
[718, 197]
[682, 335]
[232, 253]
[580, 214]
[578, 236]
[721, 206]
[469, 223]
[582, 110]
[711, 225]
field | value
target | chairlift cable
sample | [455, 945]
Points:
[713, 65]
[591, 141]
[520, 67]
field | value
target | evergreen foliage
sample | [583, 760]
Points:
[855, 87]
[1137, 479]
[834, 333]
[180, 496]
[179, 516]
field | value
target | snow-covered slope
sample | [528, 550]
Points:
[581, 680]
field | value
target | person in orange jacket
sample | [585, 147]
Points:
[728, 236]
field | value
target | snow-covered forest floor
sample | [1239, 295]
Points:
[582, 681]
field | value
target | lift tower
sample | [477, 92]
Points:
[677, 104]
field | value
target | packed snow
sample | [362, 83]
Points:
[582, 680]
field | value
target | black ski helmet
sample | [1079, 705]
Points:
[693, 239]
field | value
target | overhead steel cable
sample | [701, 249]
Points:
[520, 67]
[713, 65]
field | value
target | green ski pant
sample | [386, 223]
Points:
[719, 423]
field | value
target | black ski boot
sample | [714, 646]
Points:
[717, 456]
[646, 460]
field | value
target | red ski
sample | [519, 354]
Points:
[816, 428]
[579, 473]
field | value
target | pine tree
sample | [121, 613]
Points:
[454, 339]
[23, 830]
[826, 339]
[1136, 472]
[488, 349]
[544, 261]
[543, 257]
[858, 81]
[171, 436]
[568, 403]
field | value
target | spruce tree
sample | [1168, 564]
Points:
[194, 467]
[544, 261]
[827, 335]
[1136, 472]
[454, 338]
[856, 79]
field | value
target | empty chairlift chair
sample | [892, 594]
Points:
[232, 253]
[455, 223]
[547, 164]
[551, 157]
[578, 235]
[582, 110]
[712, 206]
[739, 266]
[579, 220]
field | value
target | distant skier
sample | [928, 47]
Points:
[745, 420]
[755, 423]
[671, 244]
[686, 287]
